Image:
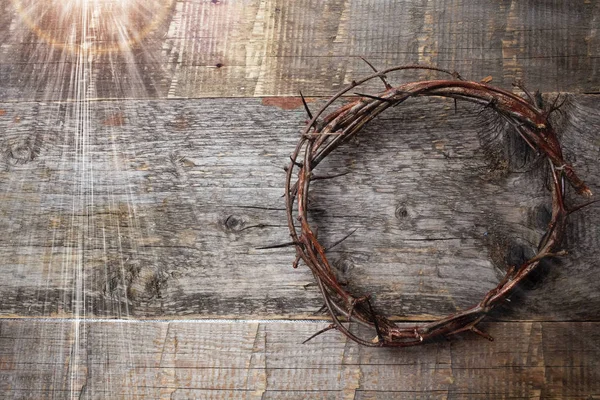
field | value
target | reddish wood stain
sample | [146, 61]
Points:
[181, 123]
[285, 103]
[116, 119]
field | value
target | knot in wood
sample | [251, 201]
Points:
[234, 223]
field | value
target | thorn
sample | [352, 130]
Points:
[456, 75]
[519, 84]
[330, 327]
[382, 77]
[579, 207]
[554, 107]
[554, 102]
[455, 106]
[539, 100]
[306, 106]
[526, 140]
[296, 261]
[321, 309]
[370, 96]
[296, 163]
[341, 240]
[487, 79]
[322, 178]
[490, 104]
[379, 337]
[482, 334]
[277, 246]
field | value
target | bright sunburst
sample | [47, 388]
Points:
[98, 25]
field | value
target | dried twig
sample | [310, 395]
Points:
[317, 142]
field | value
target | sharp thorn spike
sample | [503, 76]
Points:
[456, 75]
[322, 178]
[490, 104]
[323, 308]
[554, 102]
[382, 77]
[519, 84]
[296, 163]
[306, 106]
[330, 327]
[296, 261]
[580, 206]
[370, 96]
[379, 337]
[482, 334]
[369, 64]
[341, 240]
[555, 107]
[278, 246]
[539, 100]
[526, 140]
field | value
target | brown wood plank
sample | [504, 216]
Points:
[247, 360]
[191, 48]
[157, 208]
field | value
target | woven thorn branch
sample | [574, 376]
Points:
[325, 133]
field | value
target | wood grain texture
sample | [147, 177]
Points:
[201, 48]
[156, 209]
[252, 360]
[148, 202]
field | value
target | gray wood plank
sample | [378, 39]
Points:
[63, 359]
[192, 48]
[157, 208]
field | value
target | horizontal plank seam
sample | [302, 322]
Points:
[157, 100]
[251, 321]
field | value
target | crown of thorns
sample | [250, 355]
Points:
[324, 133]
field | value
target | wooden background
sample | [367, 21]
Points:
[138, 185]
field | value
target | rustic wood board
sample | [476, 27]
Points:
[152, 207]
[45, 359]
[201, 48]
[155, 209]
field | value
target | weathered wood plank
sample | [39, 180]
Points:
[246, 360]
[201, 48]
[157, 208]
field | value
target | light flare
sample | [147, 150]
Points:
[110, 25]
